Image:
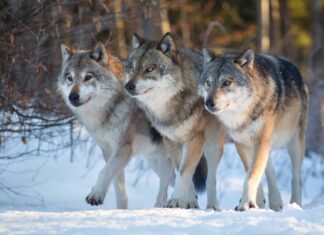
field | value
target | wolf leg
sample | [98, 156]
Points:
[163, 167]
[113, 166]
[275, 201]
[213, 151]
[245, 156]
[119, 184]
[120, 190]
[261, 149]
[296, 149]
[165, 176]
[174, 152]
[184, 193]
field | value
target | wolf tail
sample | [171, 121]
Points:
[200, 176]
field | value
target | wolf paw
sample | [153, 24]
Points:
[275, 202]
[276, 207]
[177, 203]
[246, 205]
[95, 198]
[215, 208]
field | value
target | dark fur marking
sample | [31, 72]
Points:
[290, 71]
[266, 68]
[200, 176]
[156, 137]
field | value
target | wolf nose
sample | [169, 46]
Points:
[209, 103]
[73, 97]
[130, 87]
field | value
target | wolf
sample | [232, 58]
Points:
[263, 103]
[162, 77]
[91, 83]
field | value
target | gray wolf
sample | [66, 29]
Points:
[91, 83]
[162, 78]
[263, 102]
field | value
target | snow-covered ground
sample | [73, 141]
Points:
[49, 197]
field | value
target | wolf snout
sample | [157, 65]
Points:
[130, 88]
[74, 98]
[209, 103]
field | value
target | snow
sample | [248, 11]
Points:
[50, 195]
[293, 220]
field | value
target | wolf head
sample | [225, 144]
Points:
[86, 78]
[152, 67]
[225, 82]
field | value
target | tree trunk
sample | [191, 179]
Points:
[317, 26]
[263, 12]
[185, 27]
[120, 28]
[274, 26]
[165, 23]
[315, 131]
[284, 28]
[150, 19]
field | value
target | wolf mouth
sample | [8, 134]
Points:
[147, 90]
[78, 104]
[216, 111]
[140, 94]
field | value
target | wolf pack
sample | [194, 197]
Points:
[176, 106]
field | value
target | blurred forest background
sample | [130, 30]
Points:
[31, 32]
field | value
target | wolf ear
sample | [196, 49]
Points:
[137, 41]
[207, 56]
[99, 53]
[66, 52]
[245, 59]
[167, 45]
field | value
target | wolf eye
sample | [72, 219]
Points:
[88, 77]
[150, 68]
[208, 83]
[69, 78]
[226, 83]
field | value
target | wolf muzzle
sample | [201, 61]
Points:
[130, 88]
[210, 105]
[74, 99]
